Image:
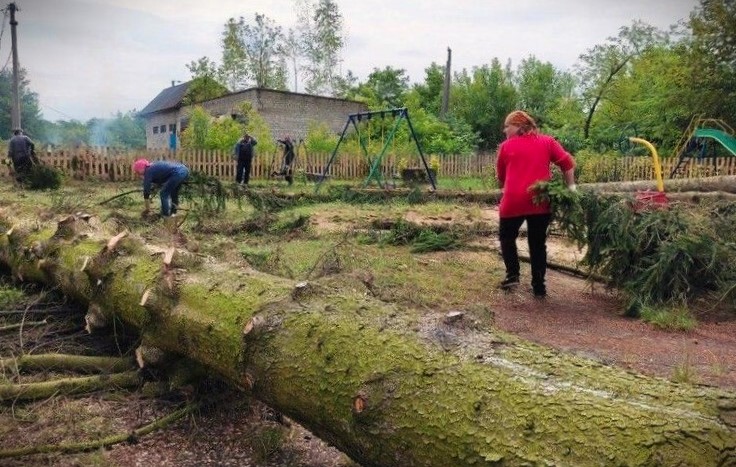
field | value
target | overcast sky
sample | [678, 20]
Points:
[92, 58]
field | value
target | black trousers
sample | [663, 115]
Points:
[536, 225]
[22, 167]
[242, 170]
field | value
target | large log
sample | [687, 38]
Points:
[723, 183]
[381, 383]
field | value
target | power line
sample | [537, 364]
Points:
[58, 111]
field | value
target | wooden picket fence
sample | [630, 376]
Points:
[108, 164]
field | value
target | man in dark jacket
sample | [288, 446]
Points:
[244, 156]
[168, 175]
[21, 152]
[286, 167]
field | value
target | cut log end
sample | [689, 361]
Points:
[359, 404]
[94, 319]
[254, 323]
[144, 298]
[113, 242]
[300, 290]
[148, 356]
[453, 317]
[169, 256]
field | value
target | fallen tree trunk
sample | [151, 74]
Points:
[379, 383]
[724, 183]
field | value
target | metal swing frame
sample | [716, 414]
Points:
[375, 163]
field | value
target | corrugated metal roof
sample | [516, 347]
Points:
[169, 98]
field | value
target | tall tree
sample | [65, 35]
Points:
[483, 98]
[323, 42]
[713, 58]
[430, 91]
[30, 112]
[601, 65]
[252, 54]
[540, 86]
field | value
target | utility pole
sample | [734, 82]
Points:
[446, 88]
[15, 114]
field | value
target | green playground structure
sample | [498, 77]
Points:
[697, 142]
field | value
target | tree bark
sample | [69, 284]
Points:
[380, 383]
[724, 183]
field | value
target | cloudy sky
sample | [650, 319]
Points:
[92, 58]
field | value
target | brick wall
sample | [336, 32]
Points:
[286, 112]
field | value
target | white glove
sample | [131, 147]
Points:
[572, 187]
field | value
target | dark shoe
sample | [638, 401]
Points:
[540, 291]
[509, 283]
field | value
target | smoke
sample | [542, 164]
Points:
[99, 134]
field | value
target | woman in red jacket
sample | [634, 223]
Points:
[523, 160]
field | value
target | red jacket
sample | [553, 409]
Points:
[523, 161]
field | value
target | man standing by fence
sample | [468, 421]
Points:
[244, 157]
[21, 151]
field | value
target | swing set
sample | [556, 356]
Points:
[374, 163]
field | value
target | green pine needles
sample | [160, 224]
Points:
[669, 255]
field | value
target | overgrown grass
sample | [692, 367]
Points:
[678, 318]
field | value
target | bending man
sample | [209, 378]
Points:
[168, 175]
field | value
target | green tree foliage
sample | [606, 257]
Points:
[207, 132]
[256, 126]
[713, 58]
[322, 42]
[540, 87]
[123, 131]
[204, 85]
[603, 64]
[195, 135]
[653, 99]
[30, 114]
[483, 98]
[429, 92]
[252, 54]
[67, 133]
[383, 89]
[320, 139]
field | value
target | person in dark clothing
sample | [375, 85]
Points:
[286, 166]
[169, 176]
[244, 152]
[21, 152]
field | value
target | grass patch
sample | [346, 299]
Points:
[669, 318]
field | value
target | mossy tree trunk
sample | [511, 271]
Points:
[379, 382]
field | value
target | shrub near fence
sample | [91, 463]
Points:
[115, 165]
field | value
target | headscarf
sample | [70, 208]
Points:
[140, 165]
[523, 120]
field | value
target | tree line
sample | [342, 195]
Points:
[643, 81]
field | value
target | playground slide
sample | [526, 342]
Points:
[726, 140]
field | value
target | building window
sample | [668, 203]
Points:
[163, 128]
[155, 130]
[172, 127]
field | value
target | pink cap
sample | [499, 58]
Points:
[140, 165]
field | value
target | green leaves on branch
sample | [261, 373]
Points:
[675, 254]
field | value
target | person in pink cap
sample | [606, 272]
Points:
[524, 159]
[170, 176]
